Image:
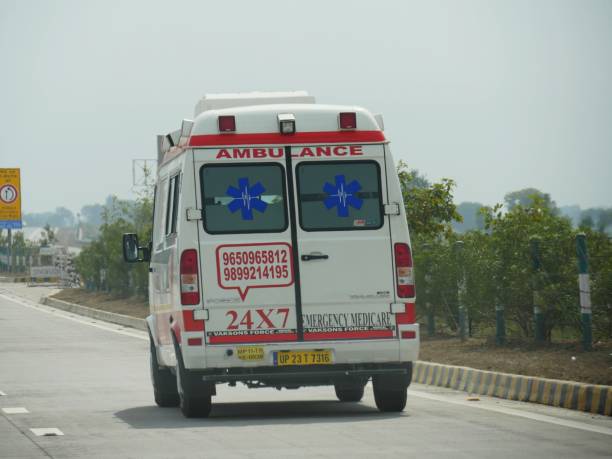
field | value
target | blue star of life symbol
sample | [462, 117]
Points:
[342, 195]
[246, 198]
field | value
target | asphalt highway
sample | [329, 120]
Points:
[87, 383]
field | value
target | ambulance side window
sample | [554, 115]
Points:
[339, 195]
[160, 207]
[244, 198]
[172, 205]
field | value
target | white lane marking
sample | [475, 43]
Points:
[2, 394]
[47, 432]
[80, 319]
[15, 410]
[513, 412]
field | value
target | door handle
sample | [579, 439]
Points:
[314, 256]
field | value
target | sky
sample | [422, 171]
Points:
[497, 95]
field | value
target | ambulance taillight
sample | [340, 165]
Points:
[227, 123]
[404, 271]
[190, 290]
[348, 120]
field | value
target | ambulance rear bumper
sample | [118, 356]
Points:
[358, 352]
[304, 375]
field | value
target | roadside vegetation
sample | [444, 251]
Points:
[101, 265]
[493, 267]
[488, 267]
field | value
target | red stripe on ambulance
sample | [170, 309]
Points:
[369, 334]
[275, 138]
[268, 338]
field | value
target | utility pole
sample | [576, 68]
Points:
[538, 317]
[585, 292]
[458, 246]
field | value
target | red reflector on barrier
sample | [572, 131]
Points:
[408, 334]
[194, 341]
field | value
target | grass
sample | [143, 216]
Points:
[129, 306]
[559, 360]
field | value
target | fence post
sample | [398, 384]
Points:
[461, 289]
[585, 291]
[431, 317]
[538, 317]
[500, 325]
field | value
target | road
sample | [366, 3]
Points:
[90, 380]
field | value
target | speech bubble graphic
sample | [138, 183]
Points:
[246, 266]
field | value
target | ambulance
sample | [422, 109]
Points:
[280, 254]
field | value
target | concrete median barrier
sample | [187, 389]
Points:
[566, 394]
[98, 314]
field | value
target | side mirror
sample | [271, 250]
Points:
[130, 248]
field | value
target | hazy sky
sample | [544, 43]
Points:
[498, 95]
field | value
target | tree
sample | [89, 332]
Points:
[430, 212]
[48, 236]
[429, 207]
[600, 268]
[101, 264]
[526, 197]
[516, 280]
[93, 214]
[60, 218]
[472, 217]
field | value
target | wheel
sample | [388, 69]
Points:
[195, 400]
[390, 393]
[164, 382]
[349, 393]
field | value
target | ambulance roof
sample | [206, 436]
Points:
[264, 118]
[220, 101]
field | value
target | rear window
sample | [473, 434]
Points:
[243, 198]
[339, 195]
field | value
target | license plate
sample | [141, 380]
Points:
[250, 352]
[288, 358]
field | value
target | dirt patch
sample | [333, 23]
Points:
[564, 361]
[129, 306]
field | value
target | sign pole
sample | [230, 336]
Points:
[10, 206]
[585, 291]
[10, 250]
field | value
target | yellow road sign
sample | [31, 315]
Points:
[10, 198]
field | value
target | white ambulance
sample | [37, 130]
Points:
[280, 254]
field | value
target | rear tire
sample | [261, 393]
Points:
[163, 381]
[194, 400]
[349, 393]
[390, 393]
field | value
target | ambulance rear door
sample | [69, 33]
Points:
[344, 242]
[245, 246]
